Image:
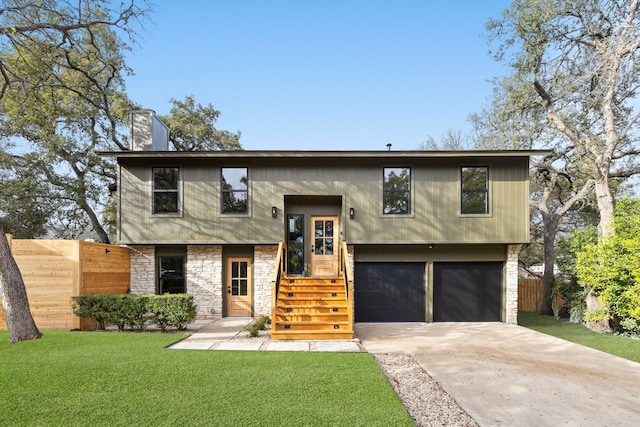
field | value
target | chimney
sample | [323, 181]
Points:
[148, 133]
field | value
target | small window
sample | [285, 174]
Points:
[235, 190]
[397, 191]
[171, 275]
[474, 190]
[165, 190]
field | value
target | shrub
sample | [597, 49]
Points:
[134, 311]
[173, 310]
[258, 325]
[611, 270]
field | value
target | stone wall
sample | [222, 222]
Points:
[512, 284]
[143, 270]
[204, 280]
[264, 259]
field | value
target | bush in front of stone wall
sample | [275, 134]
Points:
[136, 311]
[172, 310]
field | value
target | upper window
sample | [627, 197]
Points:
[474, 190]
[235, 190]
[165, 190]
[396, 197]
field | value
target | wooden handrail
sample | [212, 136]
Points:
[278, 272]
[348, 281]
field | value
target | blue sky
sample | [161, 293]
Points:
[321, 75]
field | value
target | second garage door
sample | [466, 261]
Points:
[467, 291]
[389, 292]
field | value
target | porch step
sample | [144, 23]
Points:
[312, 335]
[311, 308]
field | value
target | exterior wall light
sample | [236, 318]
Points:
[352, 213]
[274, 212]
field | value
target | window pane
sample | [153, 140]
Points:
[234, 202]
[329, 228]
[319, 246]
[243, 269]
[397, 191]
[235, 189]
[328, 246]
[474, 178]
[235, 287]
[165, 202]
[319, 231]
[474, 190]
[243, 287]
[397, 179]
[234, 179]
[295, 243]
[165, 178]
[171, 275]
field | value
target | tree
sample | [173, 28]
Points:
[43, 44]
[192, 127]
[581, 60]
[15, 304]
[612, 270]
[558, 186]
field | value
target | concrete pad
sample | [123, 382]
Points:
[508, 375]
[239, 345]
[280, 345]
[337, 346]
[193, 345]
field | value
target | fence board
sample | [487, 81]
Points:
[55, 270]
[530, 293]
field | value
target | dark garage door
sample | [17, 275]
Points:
[389, 292]
[467, 291]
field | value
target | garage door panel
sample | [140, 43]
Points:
[389, 292]
[467, 292]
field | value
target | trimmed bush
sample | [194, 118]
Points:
[136, 311]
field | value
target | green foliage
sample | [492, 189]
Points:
[192, 127]
[611, 269]
[258, 325]
[171, 310]
[135, 311]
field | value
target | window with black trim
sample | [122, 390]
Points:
[396, 197]
[474, 194]
[235, 191]
[166, 193]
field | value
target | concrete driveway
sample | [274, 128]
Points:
[507, 375]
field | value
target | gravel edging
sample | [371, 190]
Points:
[425, 400]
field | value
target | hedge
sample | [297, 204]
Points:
[127, 311]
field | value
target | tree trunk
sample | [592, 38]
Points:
[605, 207]
[15, 304]
[550, 229]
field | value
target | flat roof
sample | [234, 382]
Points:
[277, 154]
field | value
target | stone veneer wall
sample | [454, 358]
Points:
[264, 259]
[204, 280]
[143, 270]
[512, 284]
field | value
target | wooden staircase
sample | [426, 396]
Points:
[312, 308]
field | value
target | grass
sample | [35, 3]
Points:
[627, 348]
[118, 379]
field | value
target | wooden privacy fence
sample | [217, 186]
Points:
[530, 294]
[55, 270]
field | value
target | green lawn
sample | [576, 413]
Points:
[111, 378]
[620, 346]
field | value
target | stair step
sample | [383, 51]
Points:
[311, 317]
[311, 294]
[335, 334]
[307, 280]
[311, 309]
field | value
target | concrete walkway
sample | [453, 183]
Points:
[507, 375]
[227, 334]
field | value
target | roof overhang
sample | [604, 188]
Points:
[246, 154]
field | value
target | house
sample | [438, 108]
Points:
[398, 236]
